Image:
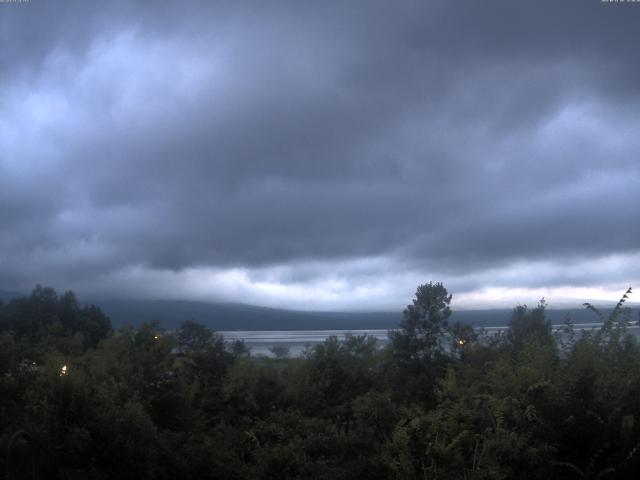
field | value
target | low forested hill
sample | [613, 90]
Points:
[237, 316]
[233, 316]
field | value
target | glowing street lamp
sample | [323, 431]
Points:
[63, 371]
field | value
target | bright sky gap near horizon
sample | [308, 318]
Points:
[321, 155]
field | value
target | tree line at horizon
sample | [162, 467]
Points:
[81, 401]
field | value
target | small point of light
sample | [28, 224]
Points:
[461, 342]
[156, 337]
[63, 370]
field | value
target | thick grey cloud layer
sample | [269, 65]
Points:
[448, 138]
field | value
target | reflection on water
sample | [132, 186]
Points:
[296, 341]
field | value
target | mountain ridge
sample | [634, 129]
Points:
[229, 316]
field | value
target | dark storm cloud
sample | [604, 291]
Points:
[450, 137]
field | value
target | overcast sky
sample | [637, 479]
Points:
[321, 155]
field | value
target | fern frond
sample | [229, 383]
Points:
[570, 466]
[619, 305]
[588, 306]
[605, 471]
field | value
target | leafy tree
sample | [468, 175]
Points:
[45, 314]
[416, 348]
[280, 351]
[424, 324]
[194, 337]
[529, 326]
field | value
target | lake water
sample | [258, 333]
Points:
[260, 342]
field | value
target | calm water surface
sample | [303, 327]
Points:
[260, 342]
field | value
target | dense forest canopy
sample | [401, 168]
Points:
[80, 401]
